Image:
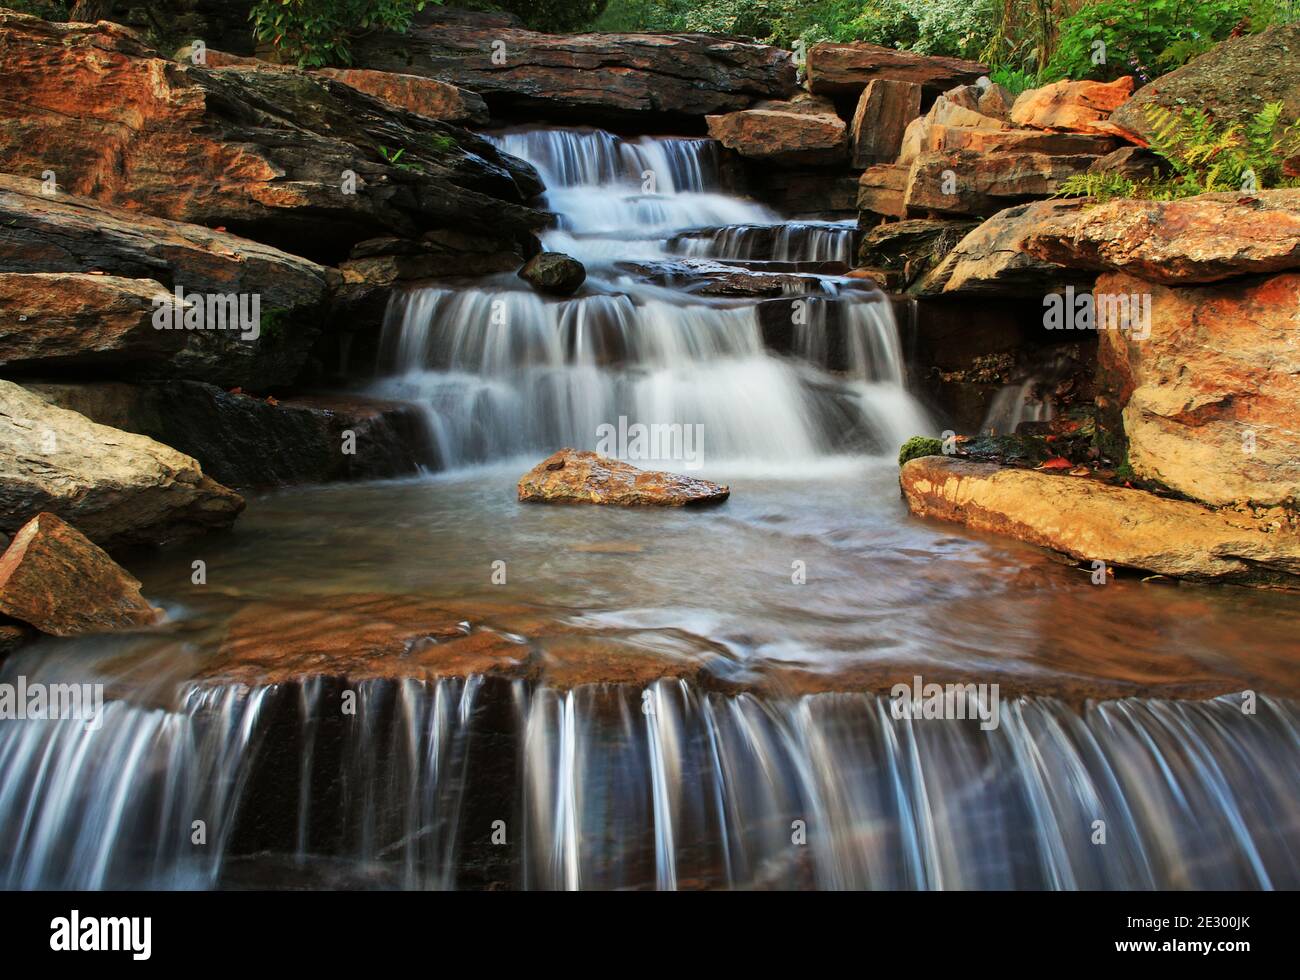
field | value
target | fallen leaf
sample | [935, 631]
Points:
[1080, 471]
[1056, 463]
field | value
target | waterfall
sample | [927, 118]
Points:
[1015, 403]
[665, 787]
[505, 373]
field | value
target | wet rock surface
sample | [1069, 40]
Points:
[570, 476]
[554, 273]
[53, 578]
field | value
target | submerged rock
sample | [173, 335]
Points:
[573, 476]
[52, 577]
[554, 273]
[1093, 521]
[118, 488]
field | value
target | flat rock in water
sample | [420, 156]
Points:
[571, 476]
[53, 577]
[1094, 521]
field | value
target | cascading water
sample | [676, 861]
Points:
[485, 781]
[506, 373]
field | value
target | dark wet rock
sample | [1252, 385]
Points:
[576, 477]
[117, 488]
[587, 76]
[710, 277]
[282, 156]
[911, 248]
[1132, 162]
[554, 273]
[242, 441]
[54, 578]
[81, 278]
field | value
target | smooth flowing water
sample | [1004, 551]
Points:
[705, 700]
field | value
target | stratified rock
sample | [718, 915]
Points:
[1075, 107]
[1195, 240]
[575, 477]
[554, 273]
[1209, 397]
[964, 182]
[991, 258]
[85, 275]
[424, 96]
[242, 441]
[846, 69]
[881, 190]
[996, 101]
[942, 137]
[283, 156]
[911, 248]
[116, 487]
[944, 112]
[1231, 82]
[885, 109]
[214, 58]
[1092, 521]
[591, 76]
[52, 577]
[1133, 162]
[788, 137]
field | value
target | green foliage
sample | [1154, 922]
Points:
[555, 16]
[315, 33]
[958, 28]
[1150, 38]
[45, 9]
[1204, 156]
[1014, 80]
[394, 158]
[919, 446]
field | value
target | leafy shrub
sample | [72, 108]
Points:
[314, 33]
[554, 15]
[1147, 38]
[1203, 156]
[959, 28]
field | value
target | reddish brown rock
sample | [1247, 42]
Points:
[885, 109]
[425, 96]
[1195, 240]
[964, 182]
[786, 137]
[264, 152]
[573, 476]
[942, 137]
[52, 577]
[1077, 107]
[944, 112]
[846, 69]
[1093, 521]
[1209, 386]
[588, 76]
[881, 190]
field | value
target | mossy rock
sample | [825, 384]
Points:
[919, 446]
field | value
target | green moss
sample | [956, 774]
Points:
[919, 446]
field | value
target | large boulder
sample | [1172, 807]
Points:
[974, 183]
[884, 111]
[587, 76]
[882, 190]
[1195, 240]
[1093, 521]
[783, 134]
[574, 477]
[846, 69]
[54, 578]
[282, 156]
[1073, 107]
[116, 487]
[1231, 82]
[242, 441]
[1209, 397]
[423, 96]
[991, 259]
[81, 280]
